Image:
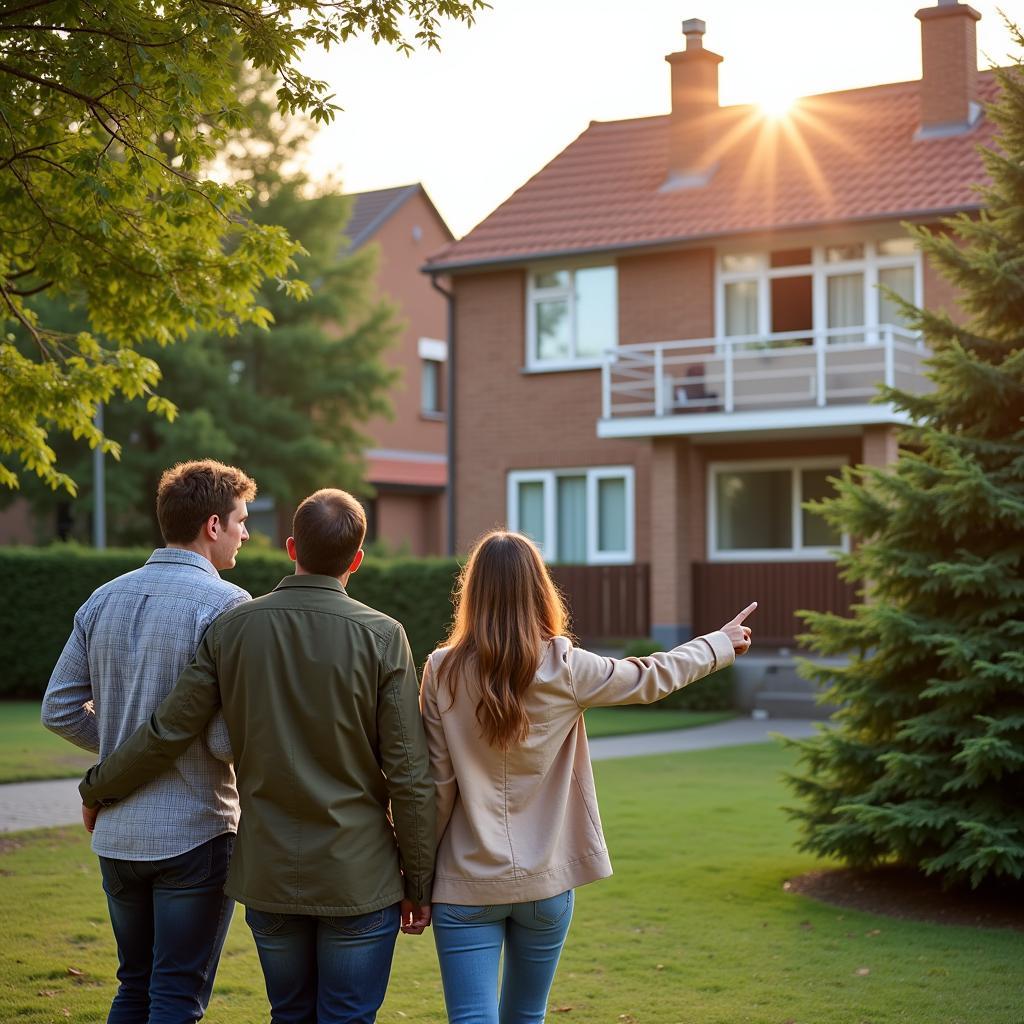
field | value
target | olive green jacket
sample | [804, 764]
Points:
[320, 697]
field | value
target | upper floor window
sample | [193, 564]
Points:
[575, 515]
[433, 357]
[571, 317]
[835, 292]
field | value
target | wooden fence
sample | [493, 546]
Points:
[606, 601]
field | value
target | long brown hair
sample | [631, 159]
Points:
[506, 608]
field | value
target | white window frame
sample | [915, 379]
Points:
[796, 553]
[593, 474]
[819, 270]
[534, 295]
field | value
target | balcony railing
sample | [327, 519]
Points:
[752, 373]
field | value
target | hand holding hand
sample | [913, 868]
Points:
[415, 917]
[737, 632]
[89, 815]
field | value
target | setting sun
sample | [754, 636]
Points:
[776, 104]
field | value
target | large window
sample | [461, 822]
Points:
[575, 515]
[755, 510]
[826, 290]
[571, 317]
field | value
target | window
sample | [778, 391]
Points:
[575, 515]
[826, 291]
[755, 510]
[572, 317]
[433, 355]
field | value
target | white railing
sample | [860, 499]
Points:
[796, 369]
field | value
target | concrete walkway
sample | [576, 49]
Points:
[27, 805]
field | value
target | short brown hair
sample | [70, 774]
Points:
[190, 492]
[328, 528]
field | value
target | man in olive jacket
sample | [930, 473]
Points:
[320, 697]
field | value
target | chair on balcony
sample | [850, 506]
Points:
[692, 395]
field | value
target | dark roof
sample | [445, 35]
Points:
[370, 210]
[839, 157]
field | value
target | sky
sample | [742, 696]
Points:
[475, 121]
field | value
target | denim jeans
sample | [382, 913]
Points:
[170, 918]
[469, 946]
[325, 970]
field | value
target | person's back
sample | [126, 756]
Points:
[518, 821]
[133, 638]
[164, 851]
[310, 681]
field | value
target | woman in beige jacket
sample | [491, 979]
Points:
[518, 825]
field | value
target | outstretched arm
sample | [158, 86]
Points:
[607, 682]
[155, 745]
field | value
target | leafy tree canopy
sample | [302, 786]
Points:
[108, 117]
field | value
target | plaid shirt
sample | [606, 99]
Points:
[130, 642]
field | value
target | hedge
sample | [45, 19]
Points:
[42, 588]
[715, 693]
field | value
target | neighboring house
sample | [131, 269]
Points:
[407, 463]
[669, 338]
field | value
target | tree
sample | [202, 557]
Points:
[107, 116]
[926, 765]
[286, 402]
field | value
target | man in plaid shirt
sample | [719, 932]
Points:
[164, 850]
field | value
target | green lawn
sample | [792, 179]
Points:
[694, 928]
[28, 751]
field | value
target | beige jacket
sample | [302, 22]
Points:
[523, 824]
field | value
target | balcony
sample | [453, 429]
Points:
[759, 383]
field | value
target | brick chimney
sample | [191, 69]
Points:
[694, 110]
[949, 69]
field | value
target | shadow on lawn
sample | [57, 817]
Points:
[908, 895]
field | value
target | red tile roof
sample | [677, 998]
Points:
[843, 156]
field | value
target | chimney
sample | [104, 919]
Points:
[694, 110]
[949, 69]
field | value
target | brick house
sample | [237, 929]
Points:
[670, 336]
[407, 464]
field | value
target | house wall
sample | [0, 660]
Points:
[508, 419]
[424, 314]
[411, 523]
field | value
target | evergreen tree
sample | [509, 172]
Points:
[925, 767]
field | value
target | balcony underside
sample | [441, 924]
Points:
[764, 424]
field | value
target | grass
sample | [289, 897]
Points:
[624, 721]
[693, 928]
[28, 751]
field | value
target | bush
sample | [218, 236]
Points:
[42, 588]
[716, 693]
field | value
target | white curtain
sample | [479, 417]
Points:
[741, 308]
[572, 519]
[846, 305]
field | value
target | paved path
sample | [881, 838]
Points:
[26, 805]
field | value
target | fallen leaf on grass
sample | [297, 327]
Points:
[659, 967]
[627, 1018]
[76, 973]
[48, 993]
[862, 971]
[873, 932]
[563, 1009]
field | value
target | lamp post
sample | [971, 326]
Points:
[99, 497]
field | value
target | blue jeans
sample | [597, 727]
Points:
[170, 918]
[325, 970]
[469, 945]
